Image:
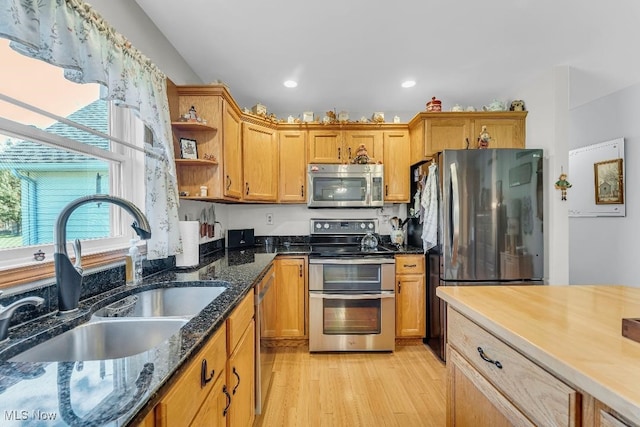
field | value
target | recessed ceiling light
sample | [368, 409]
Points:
[290, 83]
[409, 83]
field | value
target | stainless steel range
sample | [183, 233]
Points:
[351, 289]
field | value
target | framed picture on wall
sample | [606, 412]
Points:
[188, 148]
[608, 182]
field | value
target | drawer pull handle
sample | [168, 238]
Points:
[228, 396]
[203, 374]
[235, 372]
[486, 359]
[410, 265]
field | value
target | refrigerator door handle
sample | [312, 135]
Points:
[455, 214]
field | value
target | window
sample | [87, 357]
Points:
[45, 163]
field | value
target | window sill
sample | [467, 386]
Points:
[45, 270]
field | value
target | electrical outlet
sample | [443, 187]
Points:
[269, 219]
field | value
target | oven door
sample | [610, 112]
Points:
[351, 322]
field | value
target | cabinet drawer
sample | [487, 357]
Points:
[543, 398]
[238, 321]
[409, 264]
[183, 400]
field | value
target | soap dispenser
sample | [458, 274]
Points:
[133, 265]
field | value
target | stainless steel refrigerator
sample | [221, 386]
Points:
[490, 217]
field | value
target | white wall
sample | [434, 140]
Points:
[604, 250]
[546, 98]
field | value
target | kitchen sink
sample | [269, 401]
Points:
[103, 339]
[183, 301]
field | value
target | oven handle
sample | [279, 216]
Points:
[364, 260]
[351, 296]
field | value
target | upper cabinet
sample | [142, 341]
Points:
[231, 152]
[260, 162]
[434, 132]
[292, 151]
[218, 154]
[336, 145]
[396, 166]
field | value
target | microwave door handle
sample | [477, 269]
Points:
[455, 214]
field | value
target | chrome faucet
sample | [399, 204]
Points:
[69, 276]
[7, 312]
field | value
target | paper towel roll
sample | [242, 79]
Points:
[190, 233]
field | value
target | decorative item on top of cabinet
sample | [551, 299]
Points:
[434, 105]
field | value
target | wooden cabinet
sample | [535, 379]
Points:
[184, 400]
[333, 145]
[231, 153]
[490, 383]
[241, 364]
[397, 151]
[434, 132]
[219, 151]
[292, 151]
[287, 304]
[260, 162]
[411, 296]
[241, 380]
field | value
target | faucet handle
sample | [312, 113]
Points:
[77, 249]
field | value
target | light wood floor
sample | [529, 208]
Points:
[404, 388]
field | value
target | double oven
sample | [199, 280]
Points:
[351, 289]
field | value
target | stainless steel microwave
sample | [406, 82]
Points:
[345, 186]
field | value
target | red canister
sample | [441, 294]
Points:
[434, 105]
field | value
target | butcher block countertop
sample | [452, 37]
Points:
[575, 332]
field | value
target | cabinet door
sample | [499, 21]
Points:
[473, 401]
[241, 380]
[371, 139]
[232, 153]
[396, 166]
[292, 149]
[505, 132]
[447, 133]
[411, 300]
[213, 411]
[325, 146]
[260, 163]
[290, 297]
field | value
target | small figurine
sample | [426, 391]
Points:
[361, 158]
[193, 116]
[562, 184]
[484, 138]
[517, 105]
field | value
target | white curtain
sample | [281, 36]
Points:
[71, 35]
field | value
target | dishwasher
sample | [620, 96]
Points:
[264, 298]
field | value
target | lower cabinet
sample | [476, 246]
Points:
[181, 404]
[287, 311]
[490, 383]
[218, 387]
[411, 296]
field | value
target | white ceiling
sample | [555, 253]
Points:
[353, 55]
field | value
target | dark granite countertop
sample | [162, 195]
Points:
[114, 392]
[118, 391]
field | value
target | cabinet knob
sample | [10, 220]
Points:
[247, 184]
[399, 287]
[300, 270]
[228, 182]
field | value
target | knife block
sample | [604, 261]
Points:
[631, 329]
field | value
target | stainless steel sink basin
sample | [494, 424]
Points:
[103, 339]
[185, 301]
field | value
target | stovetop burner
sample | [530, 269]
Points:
[342, 237]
